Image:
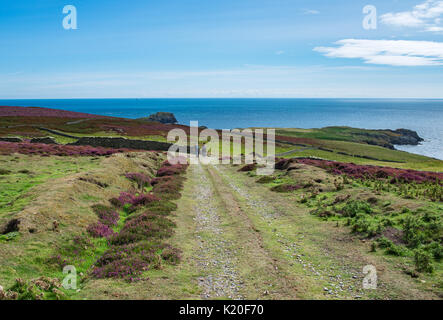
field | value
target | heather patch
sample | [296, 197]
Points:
[144, 226]
[248, 167]
[107, 215]
[131, 201]
[368, 171]
[7, 148]
[6, 111]
[100, 230]
[141, 179]
[139, 245]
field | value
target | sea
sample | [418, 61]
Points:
[422, 115]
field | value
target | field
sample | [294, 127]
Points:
[135, 226]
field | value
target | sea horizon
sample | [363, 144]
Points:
[422, 115]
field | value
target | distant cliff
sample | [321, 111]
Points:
[388, 138]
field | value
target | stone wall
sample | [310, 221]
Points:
[11, 139]
[117, 143]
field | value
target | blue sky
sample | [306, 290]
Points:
[229, 48]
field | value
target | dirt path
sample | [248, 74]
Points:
[228, 256]
[216, 255]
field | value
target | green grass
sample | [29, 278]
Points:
[30, 171]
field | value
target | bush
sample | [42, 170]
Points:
[132, 201]
[286, 187]
[130, 260]
[423, 261]
[141, 179]
[171, 170]
[106, 215]
[144, 226]
[353, 207]
[423, 229]
[391, 248]
[248, 167]
[4, 172]
[265, 179]
[436, 249]
[100, 230]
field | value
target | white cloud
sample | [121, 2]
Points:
[280, 52]
[388, 52]
[310, 11]
[425, 15]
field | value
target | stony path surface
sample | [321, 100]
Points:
[216, 256]
[336, 284]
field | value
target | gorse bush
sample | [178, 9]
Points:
[391, 248]
[422, 229]
[423, 261]
[353, 207]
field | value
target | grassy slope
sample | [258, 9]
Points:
[390, 206]
[64, 198]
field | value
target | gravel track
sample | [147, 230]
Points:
[215, 255]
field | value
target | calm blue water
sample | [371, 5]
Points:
[424, 116]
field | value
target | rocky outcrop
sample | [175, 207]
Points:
[388, 138]
[162, 117]
[119, 143]
[45, 140]
[405, 137]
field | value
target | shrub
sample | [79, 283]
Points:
[132, 201]
[141, 179]
[144, 226]
[423, 261]
[391, 248]
[130, 260]
[4, 172]
[248, 167]
[106, 215]
[170, 170]
[171, 255]
[265, 179]
[422, 229]
[286, 187]
[353, 207]
[168, 189]
[100, 230]
[436, 249]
